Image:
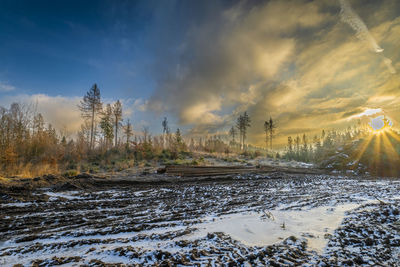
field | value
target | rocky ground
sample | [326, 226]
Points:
[275, 219]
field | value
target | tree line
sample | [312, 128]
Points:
[30, 146]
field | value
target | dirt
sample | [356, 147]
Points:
[152, 219]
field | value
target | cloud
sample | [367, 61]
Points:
[60, 111]
[348, 16]
[5, 87]
[293, 60]
[224, 58]
[366, 112]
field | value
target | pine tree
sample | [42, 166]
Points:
[178, 136]
[165, 131]
[89, 107]
[232, 132]
[128, 131]
[246, 124]
[242, 123]
[117, 112]
[290, 147]
[106, 125]
[272, 127]
[266, 129]
[239, 126]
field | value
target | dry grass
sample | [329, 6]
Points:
[31, 170]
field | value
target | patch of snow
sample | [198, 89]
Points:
[252, 230]
[67, 195]
[17, 205]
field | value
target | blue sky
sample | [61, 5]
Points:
[63, 47]
[308, 64]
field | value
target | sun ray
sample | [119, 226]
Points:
[377, 151]
[391, 154]
[394, 135]
[364, 145]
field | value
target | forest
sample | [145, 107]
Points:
[30, 147]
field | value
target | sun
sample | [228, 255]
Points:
[380, 124]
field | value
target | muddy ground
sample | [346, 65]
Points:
[163, 221]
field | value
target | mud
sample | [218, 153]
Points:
[95, 221]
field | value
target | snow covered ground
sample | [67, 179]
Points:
[311, 219]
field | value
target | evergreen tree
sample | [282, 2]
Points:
[117, 112]
[106, 125]
[90, 106]
[128, 131]
[165, 131]
[266, 130]
[272, 127]
[232, 132]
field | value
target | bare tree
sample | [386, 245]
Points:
[89, 107]
[117, 112]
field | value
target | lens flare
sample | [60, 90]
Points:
[380, 123]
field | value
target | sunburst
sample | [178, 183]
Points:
[379, 151]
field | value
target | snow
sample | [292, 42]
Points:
[252, 230]
[67, 195]
[18, 204]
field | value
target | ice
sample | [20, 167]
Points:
[19, 205]
[66, 195]
[252, 230]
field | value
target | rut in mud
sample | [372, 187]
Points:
[175, 223]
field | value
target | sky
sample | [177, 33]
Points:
[310, 65]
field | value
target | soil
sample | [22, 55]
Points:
[156, 219]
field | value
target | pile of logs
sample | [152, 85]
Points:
[204, 171]
[199, 171]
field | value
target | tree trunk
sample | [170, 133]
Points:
[270, 142]
[116, 132]
[91, 130]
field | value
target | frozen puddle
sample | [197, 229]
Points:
[257, 229]
[67, 195]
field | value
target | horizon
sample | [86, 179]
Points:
[327, 65]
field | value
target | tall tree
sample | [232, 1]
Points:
[242, 123]
[106, 125]
[290, 145]
[165, 131]
[272, 127]
[246, 124]
[239, 126]
[178, 136]
[232, 132]
[90, 106]
[117, 113]
[128, 130]
[266, 129]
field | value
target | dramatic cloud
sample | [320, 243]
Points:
[296, 61]
[349, 16]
